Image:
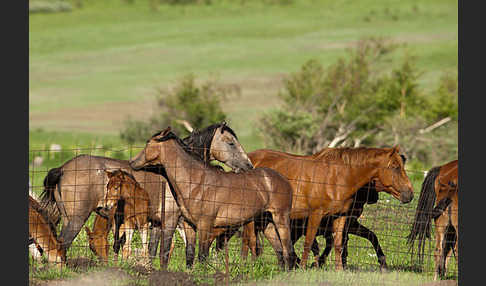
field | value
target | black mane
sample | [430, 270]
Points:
[170, 135]
[199, 141]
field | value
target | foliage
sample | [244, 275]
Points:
[352, 102]
[336, 105]
[198, 105]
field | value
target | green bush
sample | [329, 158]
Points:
[199, 105]
[355, 102]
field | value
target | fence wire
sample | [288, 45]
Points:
[374, 235]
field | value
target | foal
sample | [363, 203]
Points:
[43, 234]
[123, 186]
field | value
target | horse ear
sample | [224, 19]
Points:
[166, 131]
[223, 124]
[395, 149]
[121, 173]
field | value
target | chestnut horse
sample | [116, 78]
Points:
[124, 193]
[325, 184]
[123, 186]
[440, 187]
[215, 201]
[367, 194]
[43, 234]
[78, 186]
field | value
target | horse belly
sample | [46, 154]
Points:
[238, 210]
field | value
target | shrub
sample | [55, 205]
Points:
[354, 102]
[187, 104]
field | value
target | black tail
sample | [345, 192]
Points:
[423, 214]
[47, 200]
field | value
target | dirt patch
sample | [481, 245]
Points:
[98, 278]
[166, 278]
[441, 283]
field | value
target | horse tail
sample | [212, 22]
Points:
[423, 214]
[47, 197]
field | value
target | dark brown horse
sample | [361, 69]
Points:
[43, 234]
[325, 184]
[440, 187]
[215, 201]
[78, 186]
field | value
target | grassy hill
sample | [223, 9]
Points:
[92, 67]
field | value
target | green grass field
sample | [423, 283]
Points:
[92, 67]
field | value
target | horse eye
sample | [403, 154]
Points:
[231, 144]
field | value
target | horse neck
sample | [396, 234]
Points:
[185, 163]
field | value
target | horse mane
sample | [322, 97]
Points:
[170, 135]
[349, 155]
[200, 140]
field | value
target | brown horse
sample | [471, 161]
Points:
[325, 184]
[368, 194]
[440, 187]
[125, 199]
[43, 234]
[215, 201]
[78, 186]
[123, 186]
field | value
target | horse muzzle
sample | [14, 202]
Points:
[406, 196]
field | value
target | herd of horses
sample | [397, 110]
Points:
[172, 184]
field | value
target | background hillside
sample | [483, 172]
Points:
[92, 67]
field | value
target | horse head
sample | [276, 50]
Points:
[393, 177]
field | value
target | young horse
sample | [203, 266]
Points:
[78, 186]
[98, 238]
[215, 201]
[325, 184]
[43, 234]
[123, 186]
[440, 187]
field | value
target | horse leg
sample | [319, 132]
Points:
[313, 223]
[144, 237]
[338, 229]
[165, 244]
[70, 229]
[440, 223]
[248, 229]
[358, 229]
[190, 240]
[329, 243]
[204, 230]
[282, 224]
[154, 240]
[127, 248]
[270, 232]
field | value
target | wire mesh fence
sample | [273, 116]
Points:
[216, 222]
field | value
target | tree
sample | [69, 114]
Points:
[185, 107]
[355, 101]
